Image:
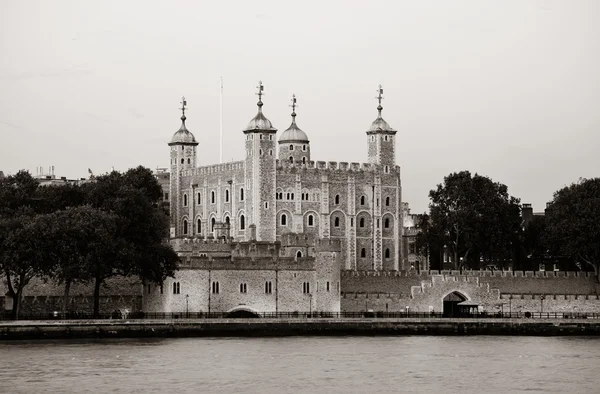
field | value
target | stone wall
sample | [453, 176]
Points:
[517, 282]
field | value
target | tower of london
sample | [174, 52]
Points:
[279, 188]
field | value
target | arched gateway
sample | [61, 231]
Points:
[242, 312]
[451, 301]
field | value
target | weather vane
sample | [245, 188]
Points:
[380, 95]
[183, 104]
[260, 88]
[294, 105]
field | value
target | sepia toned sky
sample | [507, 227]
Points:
[508, 89]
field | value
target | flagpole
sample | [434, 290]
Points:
[221, 122]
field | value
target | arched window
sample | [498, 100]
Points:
[227, 220]
[336, 222]
[303, 160]
[284, 220]
[337, 199]
[299, 254]
[242, 222]
[226, 195]
[185, 227]
[199, 199]
[215, 287]
[242, 194]
[212, 197]
[185, 200]
[199, 226]
[268, 287]
[304, 148]
[291, 159]
[387, 201]
[291, 147]
[311, 220]
[362, 200]
[387, 253]
[363, 252]
[386, 223]
[212, 224]
[292, 196]
[362, 222]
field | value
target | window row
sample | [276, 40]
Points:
[250, 137]
[213, 197]
[289, 196]
[386, 254]
[303, 147]
[283, 220]
[303, 159]
[186, 227]
[361, 222]
[215, 287]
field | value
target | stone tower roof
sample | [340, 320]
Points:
[183, 135]
[260, 121]
[293, 133]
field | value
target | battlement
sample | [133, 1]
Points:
[507, 282]
[286, 166]
[215, 168]
[480, 273]
[247, 263]
[310, 240]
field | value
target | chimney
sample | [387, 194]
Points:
[526, 214]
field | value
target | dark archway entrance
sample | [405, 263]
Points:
[242, 313]
[451, 301]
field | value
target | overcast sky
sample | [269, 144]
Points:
[508, 89]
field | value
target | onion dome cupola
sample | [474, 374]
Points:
[183, 135]
[294, 145]
[379, 125]
[260, 123]
[381, 139]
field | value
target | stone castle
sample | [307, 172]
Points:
[279, 232]
[296, 274]
[279, 188]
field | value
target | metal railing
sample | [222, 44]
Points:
[118, 315]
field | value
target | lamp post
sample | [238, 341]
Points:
[541, 304]
[186, 306]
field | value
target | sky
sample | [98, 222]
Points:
[508, 89]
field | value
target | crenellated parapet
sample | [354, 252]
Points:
[316, 166]
[247, 263]
[215, 169]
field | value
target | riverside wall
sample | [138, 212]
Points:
[291, 327]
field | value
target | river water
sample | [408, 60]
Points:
[478, 364]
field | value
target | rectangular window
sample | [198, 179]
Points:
[166, 196]
[328, 286]
[215, 287]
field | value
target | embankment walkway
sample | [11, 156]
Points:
[263, 327]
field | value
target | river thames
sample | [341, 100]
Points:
[437, 364]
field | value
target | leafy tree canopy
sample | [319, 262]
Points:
[573, 222]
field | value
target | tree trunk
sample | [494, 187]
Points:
[66, 298]
[12, 294]
[97, 284]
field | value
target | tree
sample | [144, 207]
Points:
[24, 253]
[81, 238]
[17, 209]
[474, 217]
[573, 223]
[142, 227]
